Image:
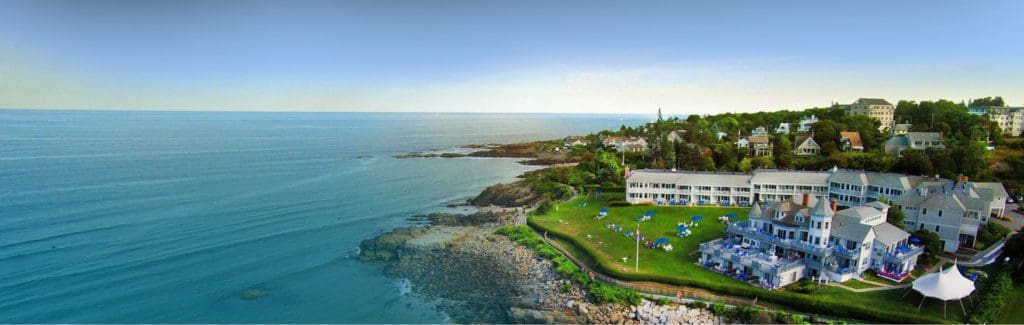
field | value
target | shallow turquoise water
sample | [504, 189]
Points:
[168, 216]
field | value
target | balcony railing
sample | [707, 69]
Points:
[904, 253]
[742, 229]
[847, 253]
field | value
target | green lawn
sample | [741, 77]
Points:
[857, 284]
[576, 225]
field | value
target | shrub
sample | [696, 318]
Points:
[565, 287]
[744, 315]
[994, 300]
[697, 305]
[618, 203]
[804, 286]
[661, 301]
[991, 233]
[718, 309]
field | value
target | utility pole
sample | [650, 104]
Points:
[637, 259]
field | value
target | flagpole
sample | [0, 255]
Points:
[637, 260]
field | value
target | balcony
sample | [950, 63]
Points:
[904, 253]
[743, 229]
[847, 253]
[727, 250]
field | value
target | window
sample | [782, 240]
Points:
[936, 228]
[940, 213]
[924, 211]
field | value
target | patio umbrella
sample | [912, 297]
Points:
[604, 211]
[682, 228]
[915, 240]
[649, 213]
[731, 216]
[697, 218]
[661, 241]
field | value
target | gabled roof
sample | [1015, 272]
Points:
[889, 234]
[872, 101]
[802, 140]
[923, 136]
[850, 228]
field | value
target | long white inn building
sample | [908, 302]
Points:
[953, 209]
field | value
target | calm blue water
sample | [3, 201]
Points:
[168, 216]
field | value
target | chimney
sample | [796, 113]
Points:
[807, 198]
[833, 205]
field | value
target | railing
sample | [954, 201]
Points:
[904, 254]
[848, 253]
[754, 233]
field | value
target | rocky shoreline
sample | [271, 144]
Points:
[482, 277]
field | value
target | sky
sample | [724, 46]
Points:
[626, 57]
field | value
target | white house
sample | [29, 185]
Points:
[783, 128]
[806, 123]
[761, 131]
[807, 238]
[742, 143]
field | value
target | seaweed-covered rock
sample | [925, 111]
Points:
[507, 195]
[388, 245]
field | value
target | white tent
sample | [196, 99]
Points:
[944, 285]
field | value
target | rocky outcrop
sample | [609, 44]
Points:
[389, 245]
[515, 194]
[492, 216]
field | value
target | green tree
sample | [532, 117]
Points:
[932, 245]
[895, 216]
[826, 134]
[915, 162]
[988, 101]
[782, 151]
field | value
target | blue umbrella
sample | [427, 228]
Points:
[661, 241]
[697, 218]
[915, 240]
[649, 213]
[731, 216]
[604, 211]
[682, 228]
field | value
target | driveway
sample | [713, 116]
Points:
[1018, 219]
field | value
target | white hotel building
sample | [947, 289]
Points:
[967, 205]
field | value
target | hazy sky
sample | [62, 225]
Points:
[504, 56]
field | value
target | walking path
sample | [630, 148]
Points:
[986, 256]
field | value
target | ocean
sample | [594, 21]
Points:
[168, 217]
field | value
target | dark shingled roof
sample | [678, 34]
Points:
[872, 101]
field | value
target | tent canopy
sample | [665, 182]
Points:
[945, 285]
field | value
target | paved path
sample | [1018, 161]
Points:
[880, 287]
[986, 256]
